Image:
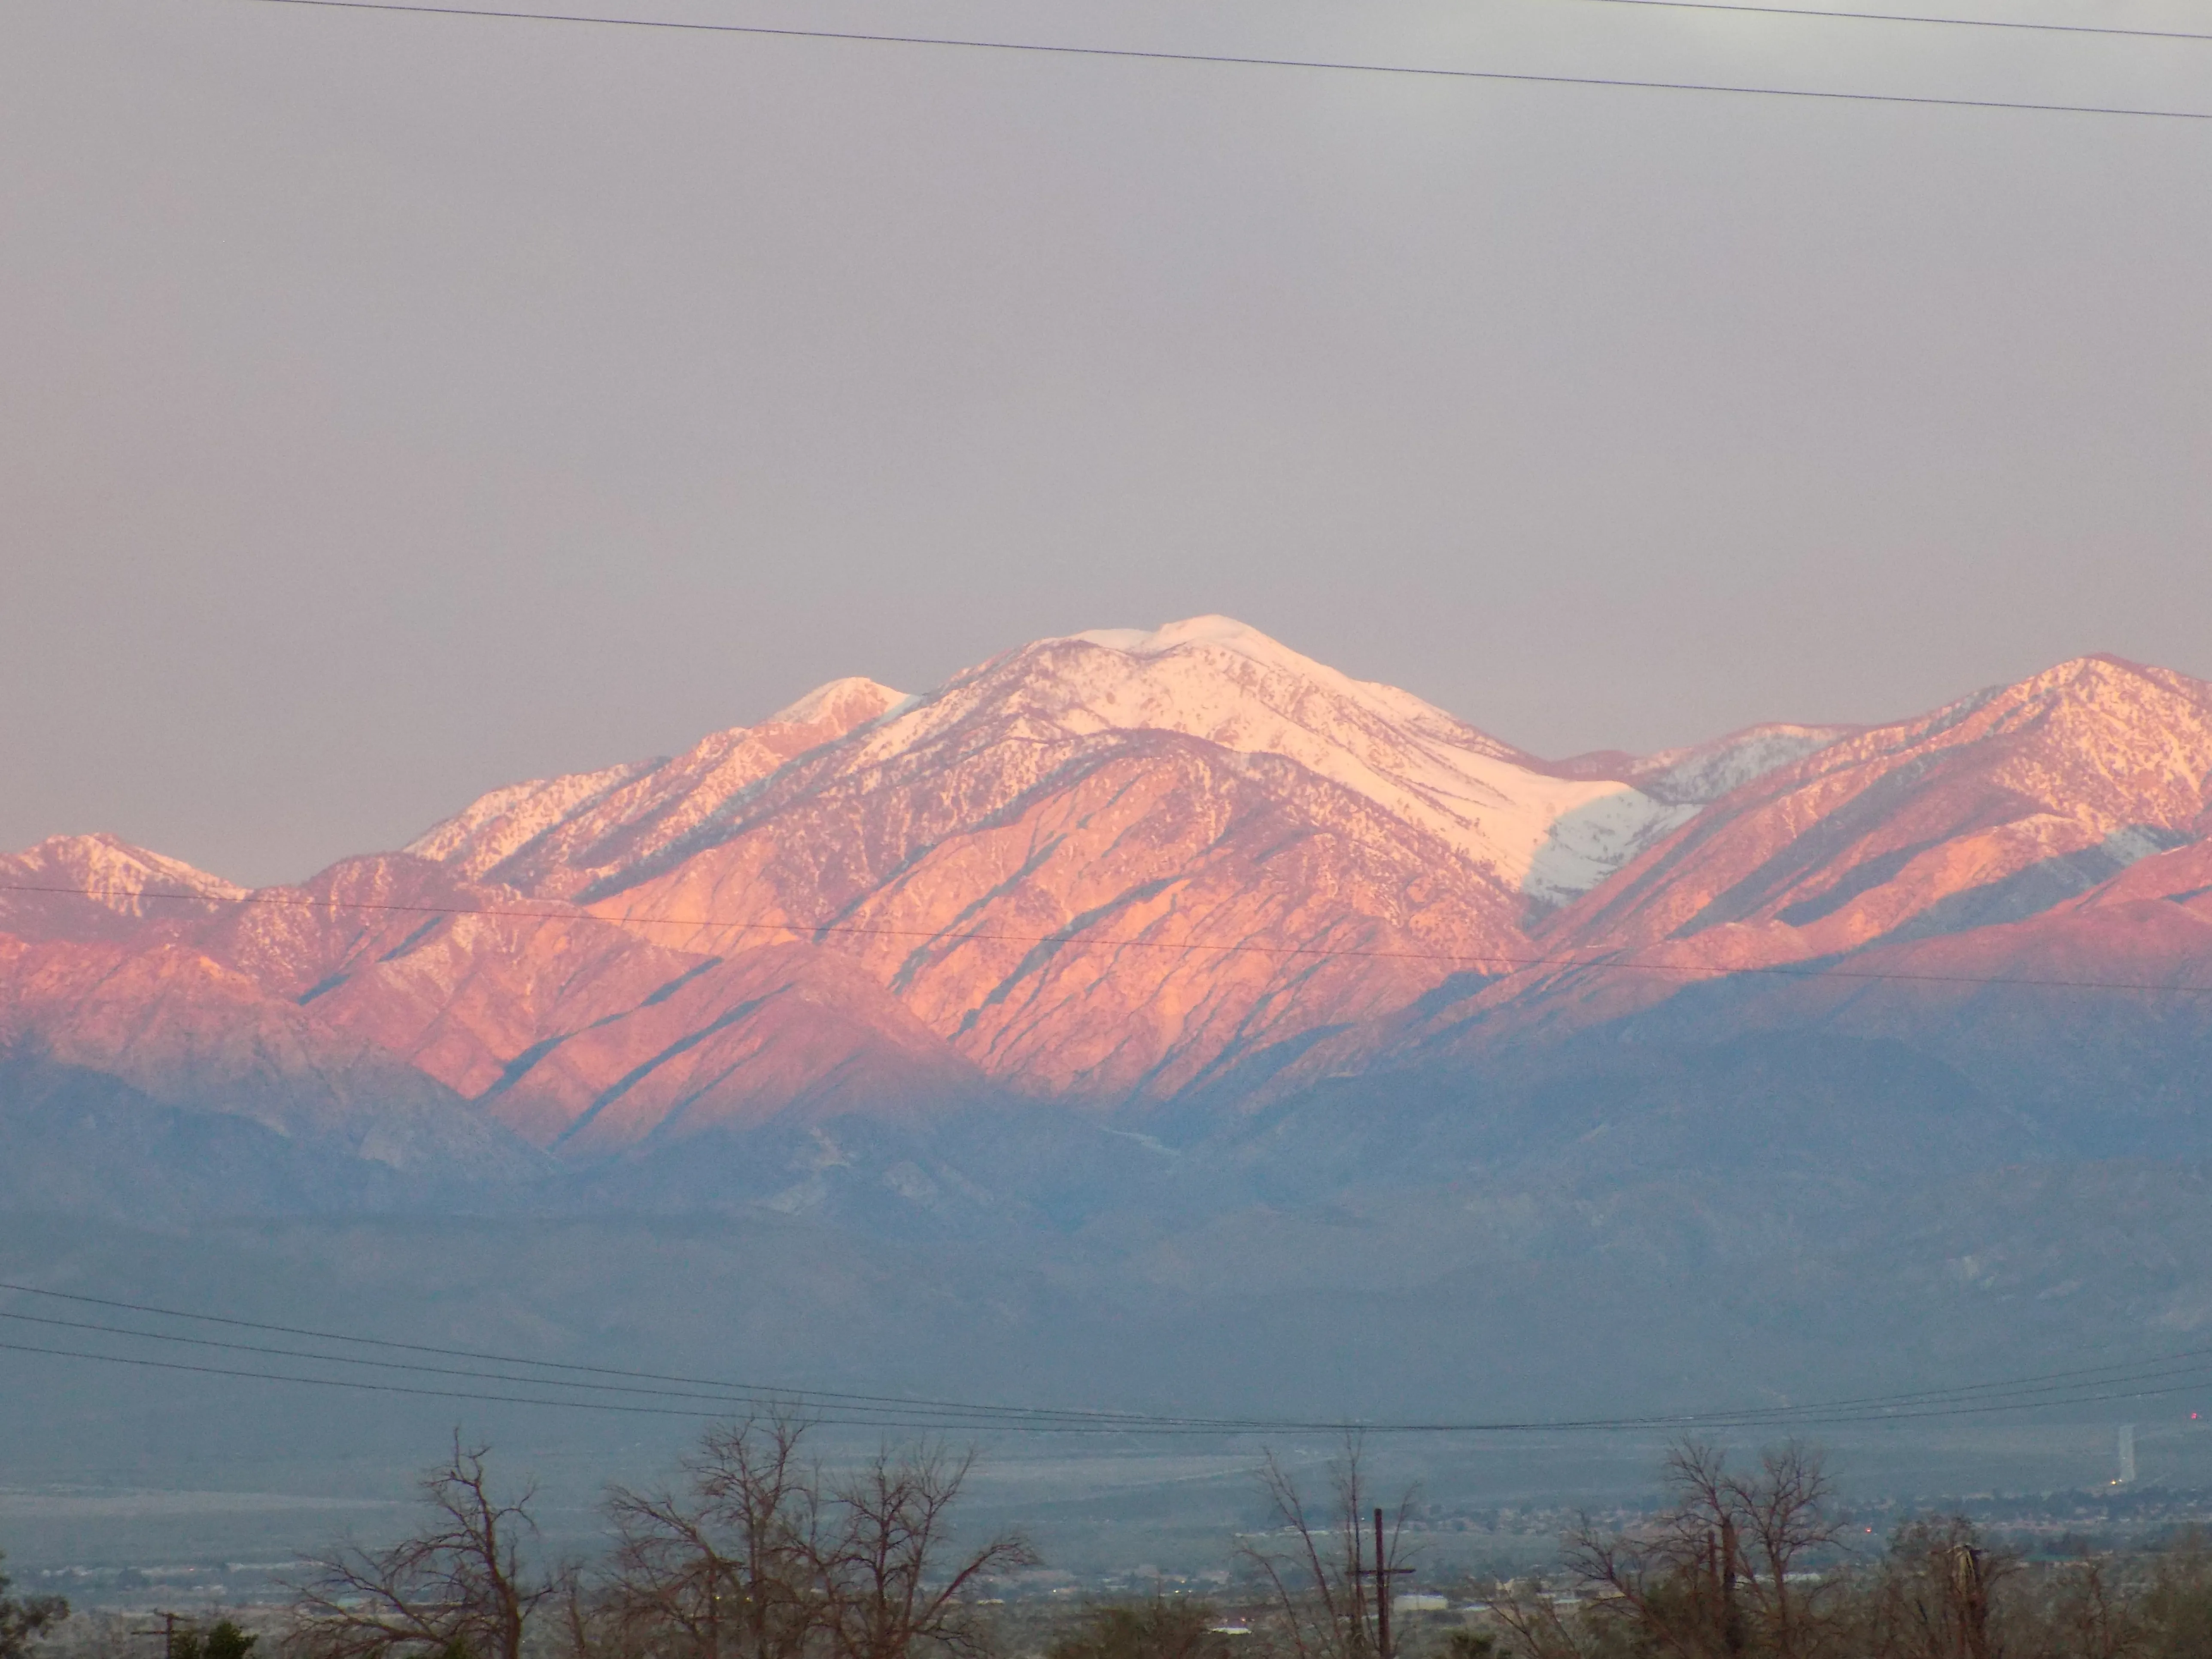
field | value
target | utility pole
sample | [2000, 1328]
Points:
[1383, 1574]
[167, 1633]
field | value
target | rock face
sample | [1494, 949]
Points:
[95, 887]
[1121, 869]
[559, 835]
[1117, 864]
[1966, 881]
[184, 1030]
[1989, 809]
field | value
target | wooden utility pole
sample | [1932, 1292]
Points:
[1381, 1594]
[1383, 1574]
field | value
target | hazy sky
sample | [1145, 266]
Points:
[395, 406]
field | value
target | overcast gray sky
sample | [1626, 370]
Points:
[396, 406]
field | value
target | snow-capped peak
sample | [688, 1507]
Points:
[1547, 831]
[848, 703]
[1202, 635]
[116, 874]
[99, 887]
[1191, 630]
[1225, 682]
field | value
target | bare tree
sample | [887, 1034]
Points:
[1715, 1575]
[2090, 1616]
[1321, 1582]
[462, 1587]
[24, 1619]
[2178, 1603]
[727, 1569]
[889, 1589]
[1535, 1625]
[1783, 1515]
[1937, 1592]
[1752, 1564]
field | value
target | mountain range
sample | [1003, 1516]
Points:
[1135, 985]
[1132, 873]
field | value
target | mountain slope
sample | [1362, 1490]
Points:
[1150, 1017]
[555, 836]
[2093, 1018]
[577, 1034]
[95, 887]
[1115, 863]
[1985, 811]
[1703, 772]
[1986, 883]
[185, 1029]
[1532, 827]
[1117, 868]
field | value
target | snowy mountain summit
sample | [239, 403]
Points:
[1532, 827]
[1547, 835]
[1120, 867]
[1197, 807]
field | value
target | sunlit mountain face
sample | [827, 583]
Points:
[1026, 1034]
[1146, 874]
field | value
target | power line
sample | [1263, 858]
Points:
[801, 929]
[936, 1422]
[1898, 17]
[1251, 61]
[730, 1398]
[1780, 1419]
[840, 1399]
[2153, 1377]
[346, 1382]
[360, 1385]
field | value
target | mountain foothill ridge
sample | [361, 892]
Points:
[1127, 870]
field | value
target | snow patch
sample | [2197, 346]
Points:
[1588, 843]
[1707, 771]
[854, 700]
[494, 826]
[1218, 679]
[115, 874]
[1192, 630]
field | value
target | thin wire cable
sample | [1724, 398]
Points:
[2082, 1375]
[1811, 1418]
[764, 1391]
[1900, 17]
[801, 929]
[2182, 1378]
[1252, 61]
[736, 1396]
[2176, 1372]
[395, 1387]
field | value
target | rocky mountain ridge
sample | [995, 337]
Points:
[1181, 870]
